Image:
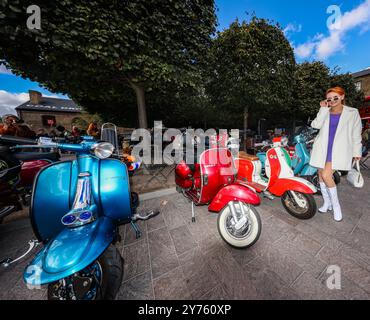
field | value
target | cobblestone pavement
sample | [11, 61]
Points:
[178, 259]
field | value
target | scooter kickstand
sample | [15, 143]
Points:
[192, 212]
[136, 229]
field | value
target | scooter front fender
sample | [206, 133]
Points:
[292, 184]
[233, 192]
[72, 250]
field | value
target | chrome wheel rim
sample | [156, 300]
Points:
[91, 276]
[293, 206]
[245, 230]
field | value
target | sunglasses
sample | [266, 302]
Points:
[334, 99]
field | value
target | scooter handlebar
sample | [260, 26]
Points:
[47, 143]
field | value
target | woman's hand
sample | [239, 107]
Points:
[324, 103]
[356, 158]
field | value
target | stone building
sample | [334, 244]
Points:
[362, 80]
[44, 112]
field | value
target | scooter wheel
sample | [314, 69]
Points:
[244, 237]
[304, 213]
[104, 276]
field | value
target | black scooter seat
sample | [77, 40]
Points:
[24, 156]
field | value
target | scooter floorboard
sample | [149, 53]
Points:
[258, 187]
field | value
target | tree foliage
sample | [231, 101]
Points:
[251, 66]
[312, 80]
[84, 45]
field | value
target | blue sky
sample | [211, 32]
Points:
[305, 24]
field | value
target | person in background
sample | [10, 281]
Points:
[366, 133]
[52, 134]
[9, 127]
[41, 133]
[93, 130]
[76, 132]
[24, 130]
[63, 133]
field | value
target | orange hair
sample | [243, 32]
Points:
[338, 90]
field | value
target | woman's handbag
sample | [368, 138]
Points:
[354, 176]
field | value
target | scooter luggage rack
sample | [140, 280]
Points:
[109, 134]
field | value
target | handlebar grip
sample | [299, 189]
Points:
[16, 140]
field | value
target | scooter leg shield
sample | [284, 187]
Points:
[72, 250]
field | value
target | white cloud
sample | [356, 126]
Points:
[305, 50]
[8, 101]
[4, 70]
[325, 46]
[291, 27]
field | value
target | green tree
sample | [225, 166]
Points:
[312, 79]
[84, 45]
[354, 98]
[251, 68]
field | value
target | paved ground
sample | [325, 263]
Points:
[178, 259]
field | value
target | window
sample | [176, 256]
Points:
[358, 85]
[48, 121]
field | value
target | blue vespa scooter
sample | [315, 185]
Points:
[75, 212]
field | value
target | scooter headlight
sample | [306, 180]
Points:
[103, 150]
[77, 219]
[85, 216]
[69, 219]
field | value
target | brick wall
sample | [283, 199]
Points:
[34, 118]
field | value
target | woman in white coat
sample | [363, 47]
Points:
[336, 146]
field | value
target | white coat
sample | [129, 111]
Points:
[347, 139]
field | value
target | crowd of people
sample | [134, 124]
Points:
[13, 126]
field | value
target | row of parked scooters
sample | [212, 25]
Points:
[77, 206]
[229, 183]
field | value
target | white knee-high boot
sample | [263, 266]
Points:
[325, 195]
[335, 202]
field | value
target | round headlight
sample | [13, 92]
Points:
[84, 216]
[103, 150]
[69, 219]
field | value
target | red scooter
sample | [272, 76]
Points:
[212, 182]
[17, 172]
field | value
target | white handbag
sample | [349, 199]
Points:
[354, 176]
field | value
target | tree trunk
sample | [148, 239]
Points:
[140, 98]
[245, 127]
[294, 124]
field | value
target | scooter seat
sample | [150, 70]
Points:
[24, 156]
[246, 156]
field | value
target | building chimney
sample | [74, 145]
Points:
[35, 96]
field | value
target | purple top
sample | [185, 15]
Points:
[334, 120]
